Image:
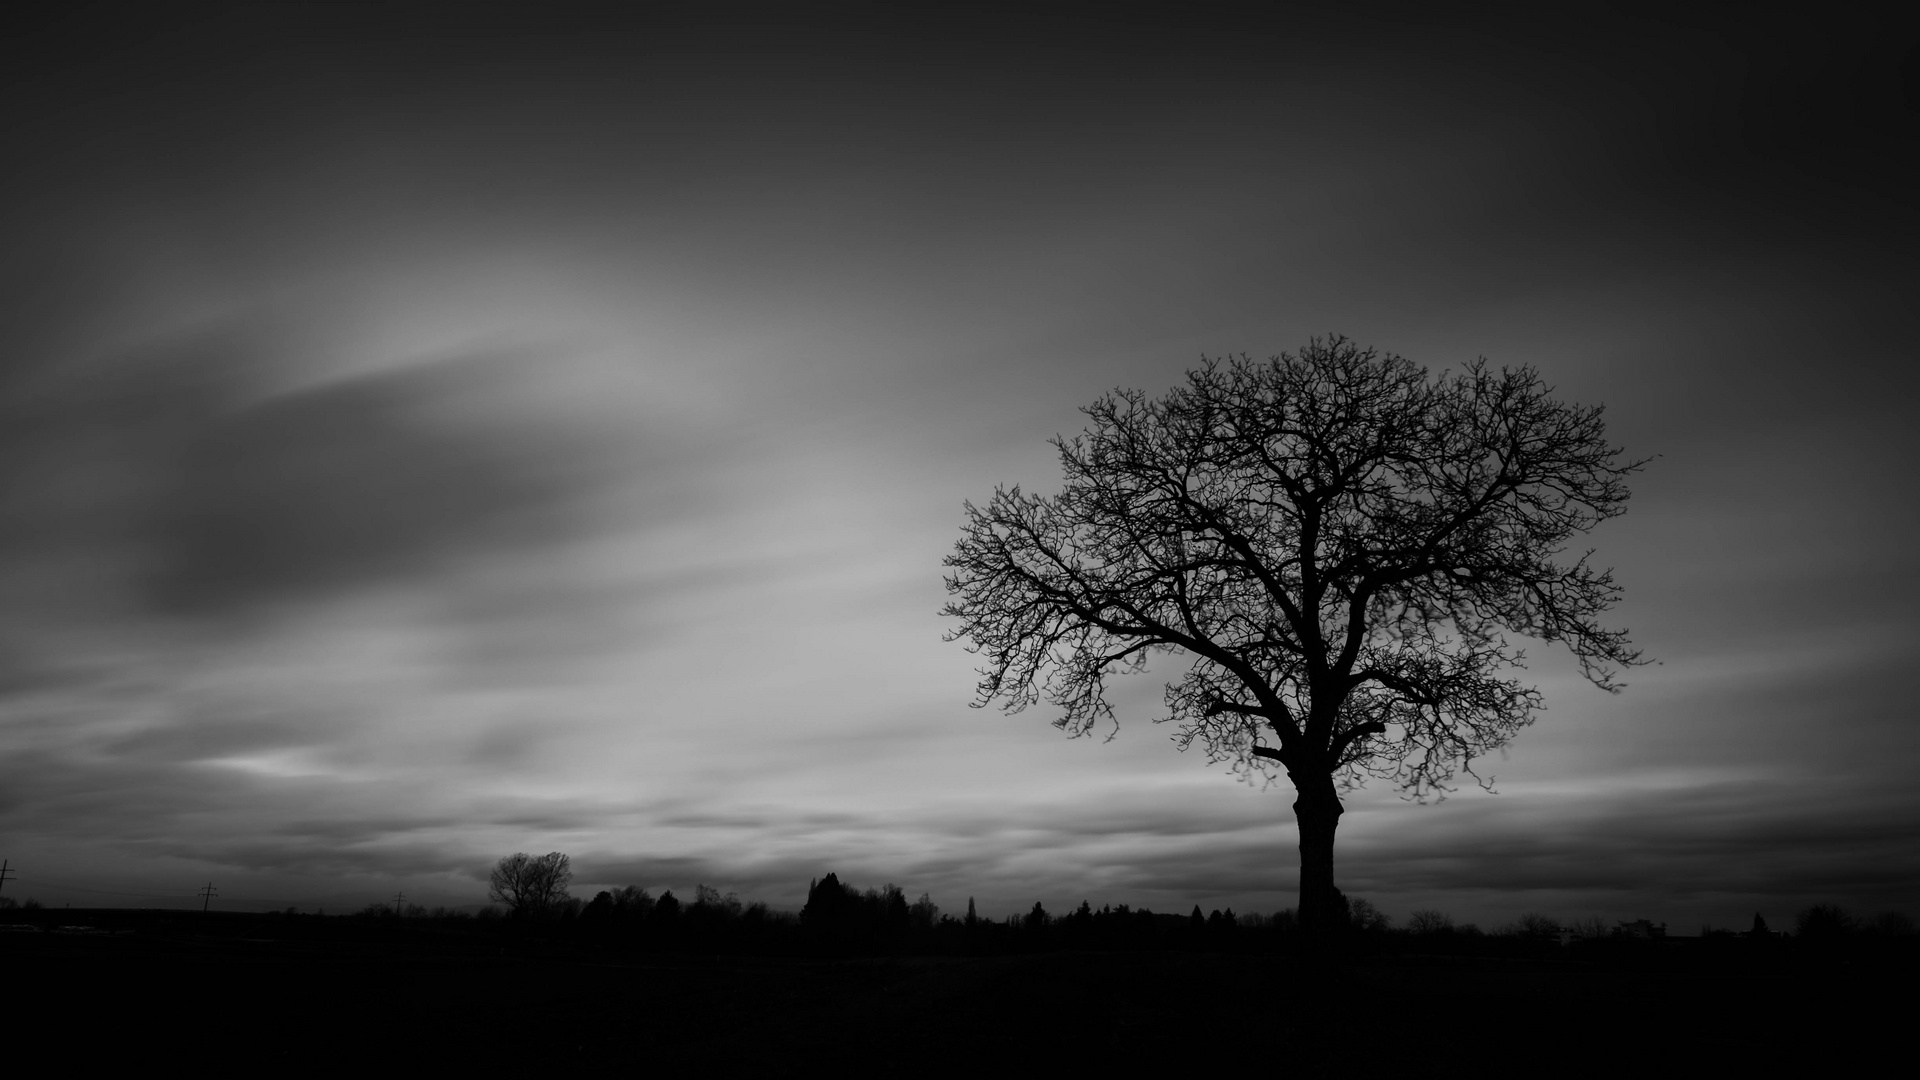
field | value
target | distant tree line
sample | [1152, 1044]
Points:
[840, 919]
[533, 903]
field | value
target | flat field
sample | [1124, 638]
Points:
[156, 991]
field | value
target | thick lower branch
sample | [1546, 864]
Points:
[1352, 735]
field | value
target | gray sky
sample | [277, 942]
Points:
[421, 442]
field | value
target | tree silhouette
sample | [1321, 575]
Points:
[924, 914]
[1037, 919]
[1823, 922]
[1364, 916]
[531, 884]
[830, 905]
[1339, 546]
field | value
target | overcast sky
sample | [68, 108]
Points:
[422, 441]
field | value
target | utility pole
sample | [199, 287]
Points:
[397, 899]
[5, 872]
[206, 896]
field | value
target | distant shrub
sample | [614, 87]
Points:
[632, 902]
[1429, 921]
[1823, 921]
[840, 914]
[708, 903]
[1364, 916]
[924, 913]
[1037, 919]
[1889, 924]
[1591, 928]
[1532, 925]
[1221, 925]
[759, 914]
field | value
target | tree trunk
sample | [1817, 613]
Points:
[1323, 911]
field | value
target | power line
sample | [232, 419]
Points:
[207, 894]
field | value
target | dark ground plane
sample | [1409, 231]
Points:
[163, 988]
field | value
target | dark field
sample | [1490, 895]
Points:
[162, 989]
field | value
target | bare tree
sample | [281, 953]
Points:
[531, 884]
[1339, 546]
[1362, 915]
[1534, 925]
[1594, 928]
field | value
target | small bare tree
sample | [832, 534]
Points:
[1338, 544]
[1364, 916]
[1534, 925]
[531, 884]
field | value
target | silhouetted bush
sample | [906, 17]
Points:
[924, 914]
[392, 911]
[709, 904]
[1534, 925]
[1592, 928]
[1823, 922]
[1038, 920]
[838, 917]
[599, 910]
[1284, 922]
[1363, 916]
[632, 902]
[1889, 924]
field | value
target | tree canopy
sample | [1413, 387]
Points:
[531, 884]
[1339, 544]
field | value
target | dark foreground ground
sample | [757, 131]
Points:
[162, 995]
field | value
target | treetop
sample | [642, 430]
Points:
[1338, 541]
